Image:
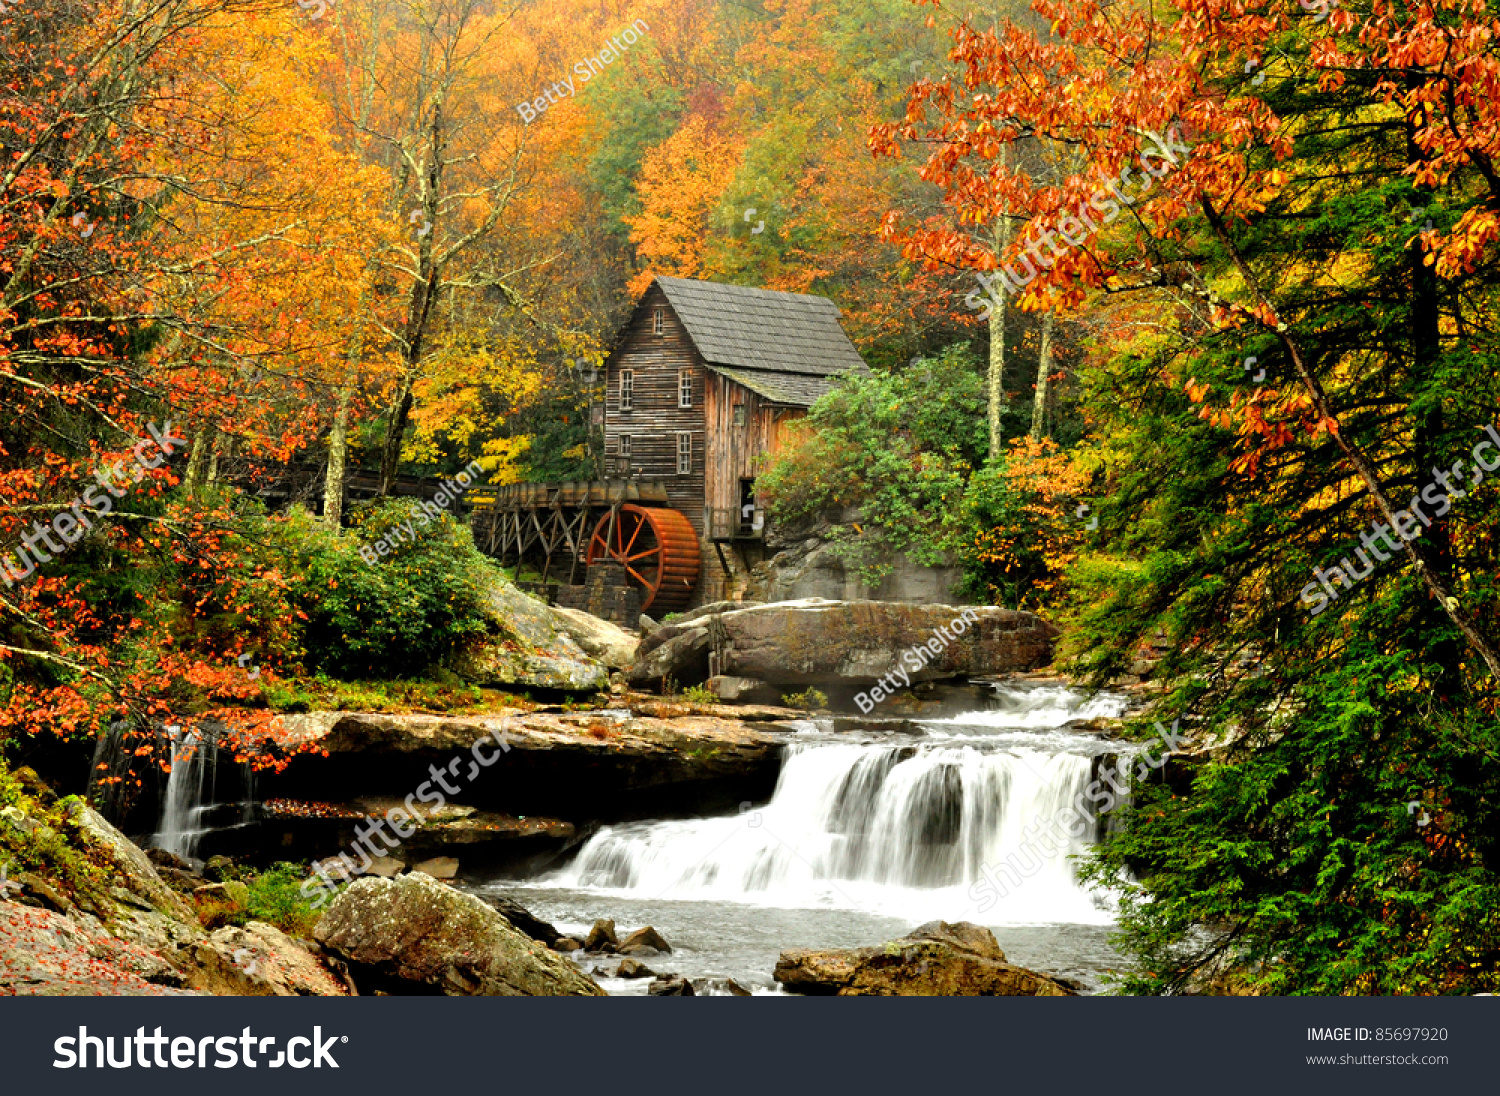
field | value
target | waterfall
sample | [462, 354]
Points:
[189, 807]
[205, 789]
[891, 828]
[182, 804]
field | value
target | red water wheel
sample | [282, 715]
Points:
[659, 550]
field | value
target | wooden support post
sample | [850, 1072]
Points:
[579, 545]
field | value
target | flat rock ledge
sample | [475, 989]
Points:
[562, 766]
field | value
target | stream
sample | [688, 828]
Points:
[865, 837]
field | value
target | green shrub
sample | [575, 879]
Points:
[700, 694]
[898, 446]
[273, 896]
[809, 700]
[399, 615]
[276, 898]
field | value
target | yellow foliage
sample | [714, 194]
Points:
[469, 391]
[682, 181]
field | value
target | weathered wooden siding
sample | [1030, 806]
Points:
[655, 420]
[738, 452]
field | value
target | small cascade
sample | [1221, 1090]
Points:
[205, 790]
[890, 827]
[113, 783]
[201, 771]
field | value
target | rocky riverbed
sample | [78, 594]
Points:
[493, 853]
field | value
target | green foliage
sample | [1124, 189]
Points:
[323, 693]
[558, 424]
[700, 694]
[994, 504]
[811, 699]
[395, 617]
[1293, 858]
[276, 898]
[273, 896]
[1301, 852]
[896, 445]
[38, 834]
[635, 115]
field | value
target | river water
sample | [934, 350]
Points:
[866, 837]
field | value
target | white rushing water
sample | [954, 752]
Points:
[898, 826]
[189, 802]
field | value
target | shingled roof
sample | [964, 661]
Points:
[785, 346]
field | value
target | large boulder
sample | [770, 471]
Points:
[415, 933]
[44, 954]
[644, 938]
[144, 910]
[852, 643]
[528, 645]
[936, 960]
[130, 868]
[259, 960]
[602, 937]
[601, 639]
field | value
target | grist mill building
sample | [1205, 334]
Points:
[699, 388]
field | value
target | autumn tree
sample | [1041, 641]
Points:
[124, 317]
[1266, 230]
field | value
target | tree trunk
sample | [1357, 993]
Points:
[197, 469]
[338, 438]
[424, 292]
[999, 306]
[1043, 379]
[338, 462]
[390, 454]
[997, 375]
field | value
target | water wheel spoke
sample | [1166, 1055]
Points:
[642, 579]
[639, 525]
